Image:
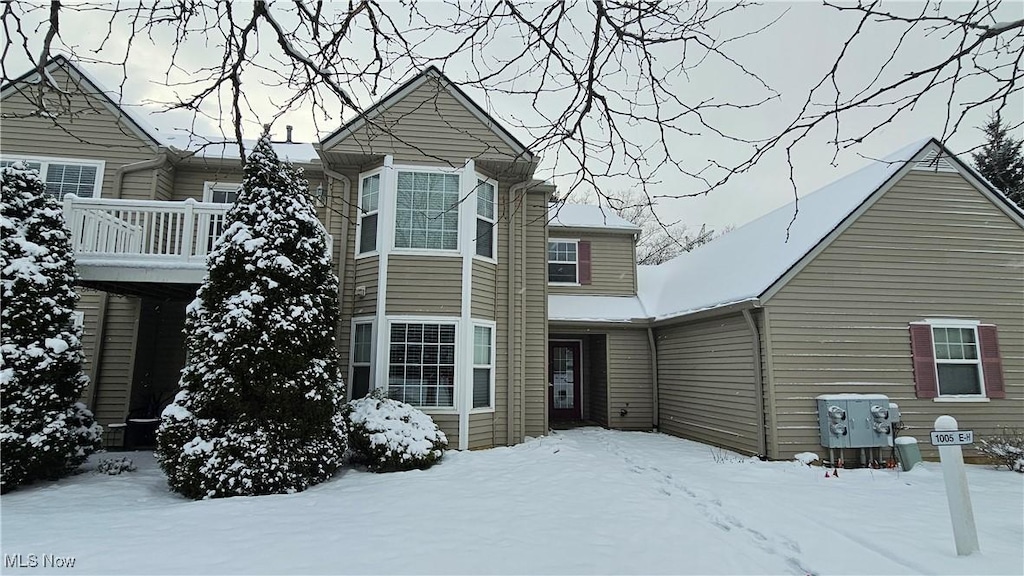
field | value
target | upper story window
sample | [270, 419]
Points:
[956, 359]
[427, 211]
[221, 192]
[82, 178]
[369, 208]
[486, 217]
[563, 261]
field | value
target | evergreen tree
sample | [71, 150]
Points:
[45, 433]
[259, 411]
[1001, 162]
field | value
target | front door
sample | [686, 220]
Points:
[564, 381]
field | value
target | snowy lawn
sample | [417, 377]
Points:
[581, 501]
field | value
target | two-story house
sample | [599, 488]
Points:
[466, 292]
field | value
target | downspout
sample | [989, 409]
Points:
[154, 162]
[762, 442]
[510, 342]
[654, 374]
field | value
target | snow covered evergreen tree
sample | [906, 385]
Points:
[259, 411]
[1001, 162]
[45, 433]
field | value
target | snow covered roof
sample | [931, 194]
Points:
[300, 153]
[587, 216]
[572, 308]
[741, 265]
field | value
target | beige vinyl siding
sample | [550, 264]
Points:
[165, 183]
[485, 277]
[449, 424]
[117, 355]
[630, 380]
[595, 374]
[366, 271]
[429, 126]
[481, 430]
[612, 267]
[89, 304]
[89, 132]
[189, 182]
[706, 386]
[930, 247]
[501, 391]
[535, 298]
[424, 285]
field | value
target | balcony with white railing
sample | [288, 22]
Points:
[142, 240]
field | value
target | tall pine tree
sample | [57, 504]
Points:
[1001, 162]
[261, 392]
[45, 433]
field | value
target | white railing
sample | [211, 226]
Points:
[143, 230]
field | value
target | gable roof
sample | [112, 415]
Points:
[411, 85]
[749, 261]
[142, 128]
[587, 216]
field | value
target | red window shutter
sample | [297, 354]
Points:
[991, 361]
[925, 380]
[583, 253]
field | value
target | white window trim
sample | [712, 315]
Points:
[493, 221]
[961, 324]
[209, 187]
[385, 381]
[493, 365]
[356, 320]
[575, 241]
[46, 160]
[381, 196]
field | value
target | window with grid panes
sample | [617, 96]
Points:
[563, 262]
[421, 363]
[369, 204]
[957, 362]
[427, 211]
[483, 366]
[485, 219]
[362, 346]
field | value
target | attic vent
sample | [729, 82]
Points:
[934, 163]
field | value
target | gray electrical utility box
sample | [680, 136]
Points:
[854, 420]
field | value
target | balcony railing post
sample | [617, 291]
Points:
[189, 225]
[71, 218]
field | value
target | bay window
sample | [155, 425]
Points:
[369, 208]
[483, 366]
[485, 219]
[421, 363]
[427, 211]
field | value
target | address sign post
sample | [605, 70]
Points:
[949, 439]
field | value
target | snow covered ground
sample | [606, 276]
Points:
[580, 501]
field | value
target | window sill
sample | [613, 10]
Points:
[367, 255]
[564, 284]
[482, 411]
[485, 259]
[415, 252]
[436, 410]
[963, 399]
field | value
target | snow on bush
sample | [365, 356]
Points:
[115, 466]
[44, 432]
[1006, 449]
[259, 411]
[388, 435]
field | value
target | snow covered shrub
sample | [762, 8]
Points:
[388, 435]
[1006, 449]
[44, 431]
[259, 411]
[115, 466]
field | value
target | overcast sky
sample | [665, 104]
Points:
[790, 56]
